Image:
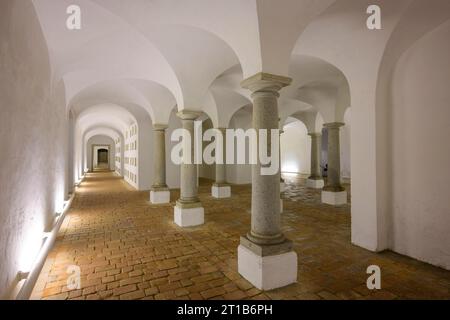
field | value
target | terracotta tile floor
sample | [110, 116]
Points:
[127, 248]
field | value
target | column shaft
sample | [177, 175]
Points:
[188, 211]
[334, 158]
[159, 156]
[188, 183]
[189, 174]
[265, 226]
[265, 188]
[264, 251]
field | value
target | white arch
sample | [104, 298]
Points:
[295, 147]
[76, 58]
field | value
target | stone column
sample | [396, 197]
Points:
[221, 189]
[265, 257]
[188, 209]
[159, 192]
[333, 193]
[315, 181]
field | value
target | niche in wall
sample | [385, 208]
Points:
[131, 160]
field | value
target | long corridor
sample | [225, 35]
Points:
[127, 248]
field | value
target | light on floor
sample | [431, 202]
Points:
[289, 174]
[290, 166]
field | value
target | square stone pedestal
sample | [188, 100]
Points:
[334, 198]
[221, 191]
[189, 216]
[267, 268]
[159, 196]
[315, 184]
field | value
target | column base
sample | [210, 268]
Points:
[189, 216]
[282, 186]
[267, 272]
[220, 191]
[159, 196]
[334, 198]
[315, 184]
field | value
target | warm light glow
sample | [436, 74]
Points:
[79, 181]
[290, 166]
[59, 207]
[29, 248]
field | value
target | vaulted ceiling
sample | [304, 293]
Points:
[160, 54]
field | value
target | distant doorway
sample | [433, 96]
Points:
[100, 158]
[103, 156]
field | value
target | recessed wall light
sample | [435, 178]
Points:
[23, 275]
[46, 235]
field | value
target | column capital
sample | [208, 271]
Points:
[315, 134]
[334, 125]
[189, 114]
[160, 127]
[266, 82]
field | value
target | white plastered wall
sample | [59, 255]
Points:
[345, 145]
[33, 141]
[172, 170]
[295, 149]
[420, 156]
[118, 157]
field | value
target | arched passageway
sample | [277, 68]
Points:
[357, 136]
